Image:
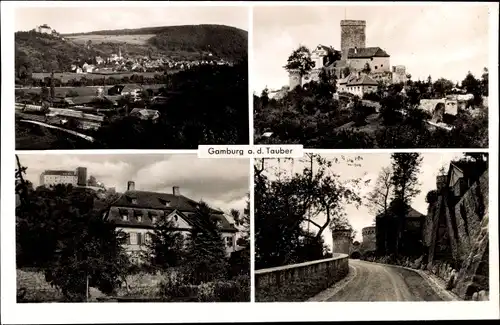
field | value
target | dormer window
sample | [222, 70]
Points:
[125, 217]
[154, 219]
[134, 201]
[139, 218]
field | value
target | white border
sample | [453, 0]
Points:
[67, 313]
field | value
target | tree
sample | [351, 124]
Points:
[92, 181]
[380, 197]
[62, 230]
[166, 248]
[442, 87]
[405, 170]
[300, 61]
[206, 259]
[235, 214]
[264, 97]
[366, 69]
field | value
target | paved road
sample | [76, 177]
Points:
[377, 282]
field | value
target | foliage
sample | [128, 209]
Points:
[208, 104]
[284, 205]
[60, 230]
[381, 194]
[300, 61]
[166, 246]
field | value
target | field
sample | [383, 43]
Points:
[140, 39]
[66, 76]
[82, 91]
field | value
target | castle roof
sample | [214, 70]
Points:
[367, 52]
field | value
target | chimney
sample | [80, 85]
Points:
[130, 186]
[176, 191]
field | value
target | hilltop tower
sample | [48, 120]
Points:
[352, 35]
[341, 241]
[294, 79]
[81, 173]
[369, 238]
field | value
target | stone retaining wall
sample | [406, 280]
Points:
[316, 275]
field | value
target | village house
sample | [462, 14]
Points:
[137, 212]
[357, 84]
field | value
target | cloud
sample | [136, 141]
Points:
[223, 183]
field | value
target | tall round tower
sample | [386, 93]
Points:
[341, 241]
[369, 239]
[352, 35]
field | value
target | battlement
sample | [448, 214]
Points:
[353, 23]
[341, 234]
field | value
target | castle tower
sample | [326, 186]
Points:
[369, 238]
[341, 241]
[294, 79]
[352, 35]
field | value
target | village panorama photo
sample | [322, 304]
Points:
[106, 78]
[388, 76]
[132, 228]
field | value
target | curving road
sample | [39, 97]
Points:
[379, 282]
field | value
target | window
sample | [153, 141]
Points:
[134, 201]
[140, 239]
[381, 65]
[133, 238]
[154, 219]
[147, 237]
[229, 241]
[125, 217]
[139, 218]
[376, 67]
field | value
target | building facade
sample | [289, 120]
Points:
[136, 213]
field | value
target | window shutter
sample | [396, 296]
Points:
[139, 238]
[128, 239]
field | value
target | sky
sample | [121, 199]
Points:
[87, 19]
[371, 165]
[222, 183]
[445, 40]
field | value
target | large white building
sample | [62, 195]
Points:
[55, 177]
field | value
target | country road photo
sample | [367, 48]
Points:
[372, 227]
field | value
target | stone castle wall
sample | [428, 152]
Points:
[456, 237]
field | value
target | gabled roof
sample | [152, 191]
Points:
[414, 214]
[60, 172]
[323, 47]
[367, 52]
